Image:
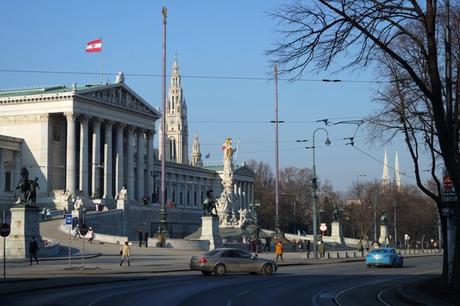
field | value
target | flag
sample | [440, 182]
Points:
[94, 46]
[207, 155]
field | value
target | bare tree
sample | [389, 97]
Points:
[317, 32]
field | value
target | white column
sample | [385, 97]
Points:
[2, 172]
[119, 173]
[150, 163]
[70, 153]
[140, 163]
[96, 158]
[108, 160]
[130, 163]
[84, 154]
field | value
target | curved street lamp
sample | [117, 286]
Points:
[315, 188]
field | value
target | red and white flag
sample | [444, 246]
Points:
[94, 46]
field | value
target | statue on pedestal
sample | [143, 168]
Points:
[123, 194]
[384, 219]
[28, 188]
[337, 214]
[209, 204]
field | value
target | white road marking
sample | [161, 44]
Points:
[229, 303]
[380, 298]
[244, 292]
[273, 285]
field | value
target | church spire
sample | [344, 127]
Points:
[385, 176]
[397, 173]
[196, 152]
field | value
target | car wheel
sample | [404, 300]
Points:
[267, 269]
[219, 270]
[206, 272]
[253, 273]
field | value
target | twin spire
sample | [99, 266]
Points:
[397, 173]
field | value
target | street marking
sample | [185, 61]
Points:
[229, 303]
[380, 298]
[244, 292]
[273, 285]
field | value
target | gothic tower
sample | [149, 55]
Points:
[176, 144]
[196, 152]
[385, 176]
[397, 173]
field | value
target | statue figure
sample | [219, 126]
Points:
[384, 218]
[24, 186]
[337, 214]
[78, 204]
[123, 194]
[33, 191]
[209, 204]
[244, 216]
[120, 78]
[228, 157]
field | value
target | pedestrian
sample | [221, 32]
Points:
[140, 235]
[33, 249]
[90, 235]
[322, 249]
[48, 214]
[307, 247]
[146, 239]
[77, 231]
[43, 213]
[125, 252]
[279, 249]
[361, 247]
[301, 246]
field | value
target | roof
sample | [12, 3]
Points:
[44, 90]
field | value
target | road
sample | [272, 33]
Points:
[330, 284]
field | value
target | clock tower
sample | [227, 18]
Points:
[176, 144]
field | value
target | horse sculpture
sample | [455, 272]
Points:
[209, 204]
[27, 187]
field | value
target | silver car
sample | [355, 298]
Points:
[228, 260]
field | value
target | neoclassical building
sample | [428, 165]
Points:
[91, 140]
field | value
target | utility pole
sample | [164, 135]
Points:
[163, 215]
[396, 237]
[375, 218]
[277, 217]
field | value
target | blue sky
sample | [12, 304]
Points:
[211, 38]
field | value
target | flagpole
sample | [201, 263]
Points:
[102, 64]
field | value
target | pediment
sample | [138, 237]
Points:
[245, 170]
[119, 95]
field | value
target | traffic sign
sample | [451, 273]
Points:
[5, 230]
[68, 219]
[83, 229]
[323, 227]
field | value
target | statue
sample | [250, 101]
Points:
[33, 191]
[78, 204]
[384, 218]
[123, 194]
[209, 204]
[24, 186]
[228, 157]
[337, 214]
[244, 216]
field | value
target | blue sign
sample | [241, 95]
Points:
[68, 219]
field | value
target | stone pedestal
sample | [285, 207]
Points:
[383, 239]
[24, 226]
[122, 204]
[336, 232]
[210, 231]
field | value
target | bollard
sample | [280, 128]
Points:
[328, 255]
[338, 255]
[346, 254]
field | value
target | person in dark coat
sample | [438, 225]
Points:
[33, 249]
[146, 239]
[140, 236]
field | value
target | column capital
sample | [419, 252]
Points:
[120, 125]
[96, 121]
[131, 128]
[108, 123]
[84, 118]
[150, 133]
[70, 116]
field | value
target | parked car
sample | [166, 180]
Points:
[384, 257]
[228, 260]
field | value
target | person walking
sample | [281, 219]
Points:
[361, 247]
[307, 248]
[140, 235]
[125, 252]
[146, 239]
[33, 249]
[279, 249]
[90, 235]
[322, 250]
[77, 232]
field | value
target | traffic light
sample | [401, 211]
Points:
[314, 183]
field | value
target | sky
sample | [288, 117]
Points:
[212, 39]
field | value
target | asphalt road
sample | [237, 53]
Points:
[330, 284]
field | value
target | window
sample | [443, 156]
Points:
[7, 181]
[194, 198]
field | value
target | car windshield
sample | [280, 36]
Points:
[381, 251]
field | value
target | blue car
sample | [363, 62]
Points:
[387, 257]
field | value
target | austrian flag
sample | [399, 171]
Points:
[94, 46]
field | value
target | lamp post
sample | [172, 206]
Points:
[315, 188]
[255, 205]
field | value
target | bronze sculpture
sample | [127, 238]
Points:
[28, 188]
[337, 214]
[209, 204]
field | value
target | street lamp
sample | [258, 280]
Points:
[255, 205]
[315, 188]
